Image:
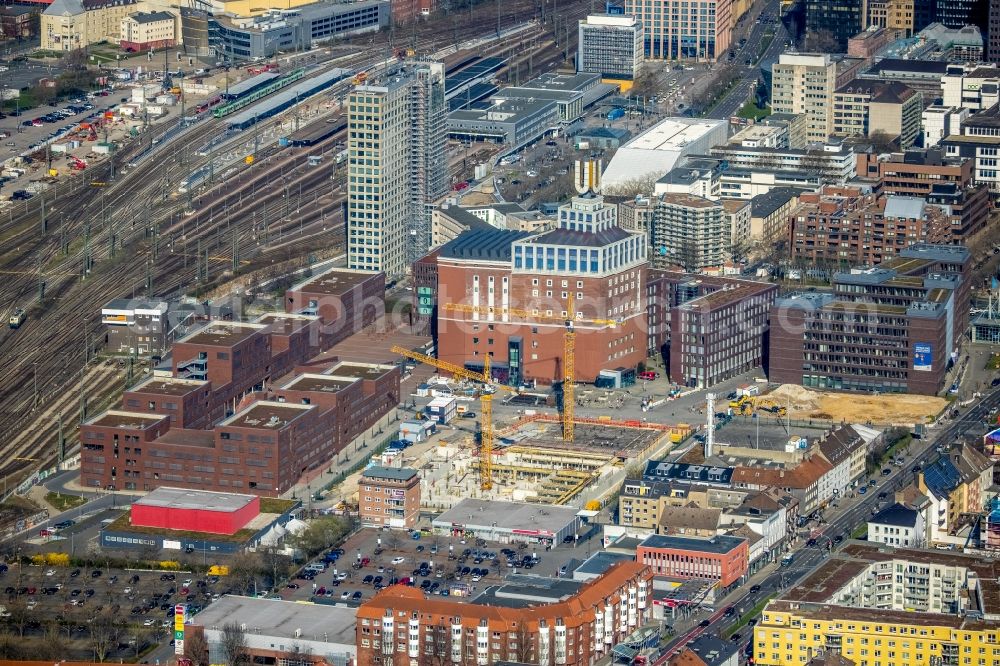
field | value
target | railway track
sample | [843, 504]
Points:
[51, 360]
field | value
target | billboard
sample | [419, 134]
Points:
[922, 357]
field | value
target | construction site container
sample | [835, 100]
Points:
[442, 409]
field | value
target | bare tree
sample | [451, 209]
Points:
[299, 655]
[274, 565]
[196, 648]
[55, 645]
[234, 645]
[882, 142]
[521, 644]
[19, 615]
[104, 629]
[243, 568]
[10, 645]
[632, 187]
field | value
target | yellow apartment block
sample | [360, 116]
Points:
[879, 606]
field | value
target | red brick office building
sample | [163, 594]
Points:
[588, 258]
[720, 558]
[236, 414]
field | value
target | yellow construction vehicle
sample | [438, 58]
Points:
[770, 406]
[737, 404]
[569, 346]
[486, 392]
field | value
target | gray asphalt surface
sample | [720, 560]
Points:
[739, 93]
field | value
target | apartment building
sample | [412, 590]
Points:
[690, 231]
[883, 606]
[804, 83]
[682, 29]
[143, 31]
[574, 624]
[271, 441]
[396, 167]
[611, 46]
[899, 526]
[864, 107]
[770, 214]
[67, 25]
[237, 412]
[954, 484]
[389, 496]
[842, 226]
[345, 301]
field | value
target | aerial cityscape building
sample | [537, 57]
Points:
[410, 332]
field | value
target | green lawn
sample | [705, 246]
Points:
[860, 532]
[64, 502]
[752, 111]
[994, 362]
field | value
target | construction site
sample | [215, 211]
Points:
[545, 457]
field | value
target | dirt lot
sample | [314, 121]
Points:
[857, 407]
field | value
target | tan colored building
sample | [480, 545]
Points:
[769, 214]
[738, 211]
[804, 83]
[896, 112]
[389, 496]
[67, 25]
[142, 31]
[864, 107]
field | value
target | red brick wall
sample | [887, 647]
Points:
[461, 339]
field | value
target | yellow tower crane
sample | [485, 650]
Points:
[489, 388]
[569, 347]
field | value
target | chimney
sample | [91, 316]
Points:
[958, 456]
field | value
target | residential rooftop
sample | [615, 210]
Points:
[359, 370]
[169, 386]
[222, 334]
[126, 420]
[319, 383]
[389, 473]
[333, 282]
[266, 414]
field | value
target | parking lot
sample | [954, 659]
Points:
[141, 601]
[373, 559]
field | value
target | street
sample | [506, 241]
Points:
[840, 522]
[741, 90]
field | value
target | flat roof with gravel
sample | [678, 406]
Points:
[206, 500]
[488, 514]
